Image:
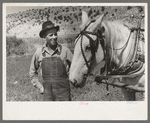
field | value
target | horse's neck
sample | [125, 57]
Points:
[116, 36]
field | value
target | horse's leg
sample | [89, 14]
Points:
[138, 81]
[143, 96]
[129, 95]
[141, 84]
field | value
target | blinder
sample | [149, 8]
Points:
[93, 45]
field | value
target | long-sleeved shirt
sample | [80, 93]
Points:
[63, 52]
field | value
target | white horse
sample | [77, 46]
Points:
[112, 43]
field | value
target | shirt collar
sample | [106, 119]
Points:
[44, 48]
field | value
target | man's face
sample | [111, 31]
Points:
[51, 38]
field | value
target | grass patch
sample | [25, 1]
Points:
[15, 46]
[19, 87]
[27, 46]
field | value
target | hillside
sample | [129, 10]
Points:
[28, 23]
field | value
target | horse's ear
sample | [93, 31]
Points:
[98, 21]
[84, 19]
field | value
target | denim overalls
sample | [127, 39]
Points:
[56, 84]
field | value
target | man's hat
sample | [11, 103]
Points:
[48, 25]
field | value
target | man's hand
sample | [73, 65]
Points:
[67, 64]
[40, 87]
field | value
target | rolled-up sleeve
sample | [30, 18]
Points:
[69, 55]
[69, 58]
[33, 72]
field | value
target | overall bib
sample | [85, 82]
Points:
[56, 85]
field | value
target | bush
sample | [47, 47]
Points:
[129, 7]
[15, 46]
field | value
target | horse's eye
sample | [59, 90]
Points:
[88, 48]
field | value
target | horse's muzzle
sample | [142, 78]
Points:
[75, 84]
[81, 85]
[83, 82]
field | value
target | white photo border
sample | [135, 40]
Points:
[95, 110]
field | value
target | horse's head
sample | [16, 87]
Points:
[86, 50]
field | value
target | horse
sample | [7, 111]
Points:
[108, 48]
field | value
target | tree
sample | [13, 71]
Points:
[90, 12]
[40, 12]
[49, 10]
[55, 18]
[71, 22]
[97, 13]
[41, 17]
[67, 10]
[47, 18]
[140, 8]
[103, 8]
[60, 17]
[80, 13]
[129, 7]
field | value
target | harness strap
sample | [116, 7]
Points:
[84, 55]
[141, 57]
[93, 47]
[137, 40]
[87, 32]
[89, 24]
[133, 59]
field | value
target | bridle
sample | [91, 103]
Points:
[93, 44]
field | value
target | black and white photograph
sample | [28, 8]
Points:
[75, 57]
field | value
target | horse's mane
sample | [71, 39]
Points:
[116, 23]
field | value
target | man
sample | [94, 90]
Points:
[53, 60]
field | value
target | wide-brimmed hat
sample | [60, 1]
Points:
[48, 25]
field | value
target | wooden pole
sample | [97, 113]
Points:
[120, 85]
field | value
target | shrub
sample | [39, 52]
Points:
[103, 8]
[15, 46]
[90, 12]
[141, 9]
[129, 7]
